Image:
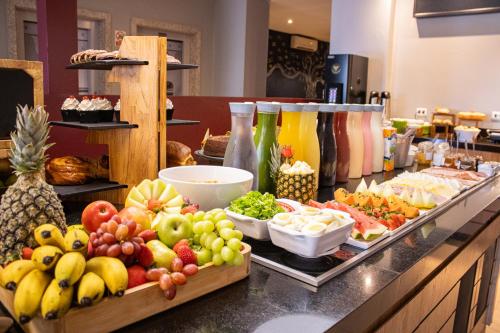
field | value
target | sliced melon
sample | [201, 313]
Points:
[155, 196]
[374, 232]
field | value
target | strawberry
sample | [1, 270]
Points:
[189, 209]
[26, 253]
[136, 276]
[187, 255]
[182, 242]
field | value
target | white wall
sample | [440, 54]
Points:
[449, 61]
[363, 27]
[452, 62]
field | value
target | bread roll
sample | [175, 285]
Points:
[67, 170]
[178, 154]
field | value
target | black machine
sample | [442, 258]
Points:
[345, 78]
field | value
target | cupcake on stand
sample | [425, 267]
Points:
[117, 111]
[69, 110]
[105, 109]
[88, 112]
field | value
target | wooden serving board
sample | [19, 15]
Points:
[138, 303]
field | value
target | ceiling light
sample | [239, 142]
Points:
[290, 21]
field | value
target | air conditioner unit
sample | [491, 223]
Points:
[304, 44]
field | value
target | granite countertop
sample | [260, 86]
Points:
[268, 301]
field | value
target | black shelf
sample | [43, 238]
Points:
[173, 67]
[178, 122]
[65, 191]
[94, 126]
[107, 64]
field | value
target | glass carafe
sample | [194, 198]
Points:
[265, 139]
[327, 145]
[240, 151]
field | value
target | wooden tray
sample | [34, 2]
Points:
[138, 303]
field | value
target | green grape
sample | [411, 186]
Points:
[203, 256]
[220, 216]
[208, 226]
[203, 237]
[210, 238]
[238, 234]
[189, 216]
[196, 238]
[209, 217]
[234, 244]
[199, 216]
[215, 211]
[225, 224]
[198, 227]
[238, 259]
[217, 245]
[217, 259]
[227, 254]
[226, 233]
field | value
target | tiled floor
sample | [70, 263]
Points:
[495, 325]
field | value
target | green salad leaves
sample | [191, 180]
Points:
[257, 205]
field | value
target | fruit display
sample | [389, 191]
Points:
[257, 205]
[30, 201]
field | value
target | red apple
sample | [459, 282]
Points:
[96, 213]
[137, 215]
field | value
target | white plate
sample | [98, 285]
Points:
[310, 246]
[362, 244]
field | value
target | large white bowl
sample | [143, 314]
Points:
[190, 181]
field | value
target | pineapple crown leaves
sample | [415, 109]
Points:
[29, 141]
[275, 161]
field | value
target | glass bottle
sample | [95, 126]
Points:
[368, 148]
[340, 128]
[356, 144]
[327, 145]
[290, 126]
[309, 138]
[240, 151]
[265, 139]
[378, 138]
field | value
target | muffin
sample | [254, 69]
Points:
[105, 109]
[117, 111]
[69, 110]
[87, 111]
[170, 109]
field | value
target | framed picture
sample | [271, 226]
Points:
[436, 8]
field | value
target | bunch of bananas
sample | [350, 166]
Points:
[57, 269]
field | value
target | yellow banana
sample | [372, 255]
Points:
[90, 289]
[76, 240]
[13, 273]
[45, 257]
[29, 294]
[56, 301]
[76, 227]
[49, 234]
[112, 271]
[69, 269]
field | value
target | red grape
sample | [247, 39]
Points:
[104, 227]
[108, 238]
[117, 219]
[155, 273]
[138, 240]
[92, 237]
[165, 282]
[190, 269]
[121, 232]
[131, 227]
[99, 232]
[112, 226]
[138, 229]
[170, 293]
[178, 278]
[101, 250]
[137, 248]
[127, 248]
[114, 250]
[176, 265]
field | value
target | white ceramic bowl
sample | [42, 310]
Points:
[192, 182]
[307, 245]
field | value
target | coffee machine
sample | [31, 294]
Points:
[345, 79]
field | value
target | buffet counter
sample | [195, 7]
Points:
[423, 274]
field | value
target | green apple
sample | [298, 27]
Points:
[162, 255]
[173, 227]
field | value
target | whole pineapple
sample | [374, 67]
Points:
[292, 182]
[30, 201]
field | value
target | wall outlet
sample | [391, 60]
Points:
[495, 116]
[421, 112]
